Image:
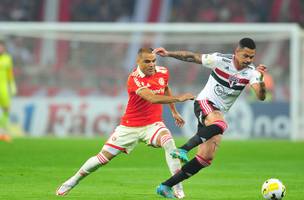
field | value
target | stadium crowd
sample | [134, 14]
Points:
[85, 72]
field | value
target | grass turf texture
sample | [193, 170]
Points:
[34, 168]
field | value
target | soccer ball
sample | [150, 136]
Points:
[273, 189]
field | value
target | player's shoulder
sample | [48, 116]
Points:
[161, 69]
[134, 73]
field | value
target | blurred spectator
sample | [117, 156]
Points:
[20, 10]
[102, 10]
[96, 67]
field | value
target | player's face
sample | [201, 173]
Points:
[244, 56]
[146, 62]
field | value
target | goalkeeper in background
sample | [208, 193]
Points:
[7, 89]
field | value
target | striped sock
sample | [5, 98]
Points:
[90, 166]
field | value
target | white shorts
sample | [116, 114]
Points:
[126, 138]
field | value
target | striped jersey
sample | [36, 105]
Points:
[225, 82]
[140, 112]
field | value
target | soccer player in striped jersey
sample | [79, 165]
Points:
[148, 89]
[7, 89]
[230, 74]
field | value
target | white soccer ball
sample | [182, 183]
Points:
[273, 189]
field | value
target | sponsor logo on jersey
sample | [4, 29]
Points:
[219, 90]
[226, 60]
[160, 91]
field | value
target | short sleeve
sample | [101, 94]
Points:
[210, 60]
[134, 85]
[255, 78]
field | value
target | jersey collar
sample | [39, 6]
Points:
[141, 74]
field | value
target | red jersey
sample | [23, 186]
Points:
[140, 112]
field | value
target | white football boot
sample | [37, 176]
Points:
[178, 191]
[66, 187]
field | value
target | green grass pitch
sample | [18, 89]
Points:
[33, 169]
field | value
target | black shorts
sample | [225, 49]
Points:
[201, 109]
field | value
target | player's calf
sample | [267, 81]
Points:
[188, 170]
[89, 166]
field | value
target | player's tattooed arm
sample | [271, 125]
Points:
[187, 56]
[262, 91]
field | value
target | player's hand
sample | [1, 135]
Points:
[161, 51]
[262, 69]
[178, 120]
[185, 97]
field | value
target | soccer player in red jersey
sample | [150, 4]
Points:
[142, 122]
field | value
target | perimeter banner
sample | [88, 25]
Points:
[65, 117]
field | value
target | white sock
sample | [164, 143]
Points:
[174, 164]
[169, 145]
[89, 166]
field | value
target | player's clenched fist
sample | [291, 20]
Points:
[160, 51]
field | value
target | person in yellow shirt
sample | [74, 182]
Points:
[7, 89]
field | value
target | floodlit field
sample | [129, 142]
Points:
[34, 168]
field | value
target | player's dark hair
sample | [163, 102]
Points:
[247, 42]
[144, 50]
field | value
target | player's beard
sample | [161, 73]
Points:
[150, 71]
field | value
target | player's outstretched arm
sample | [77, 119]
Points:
[179, 121]
[187, 56]
[259, 88]
[148, 95]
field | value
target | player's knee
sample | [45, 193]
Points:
[221, 125]
[165, 139]
[103, 158]
[162, 139]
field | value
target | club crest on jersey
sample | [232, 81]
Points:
[233, 80]
[161, 81]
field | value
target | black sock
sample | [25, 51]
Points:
[201, 136]
[189, 169]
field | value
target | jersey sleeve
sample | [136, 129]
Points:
[255, 77]
[210, 60]
[134, 85]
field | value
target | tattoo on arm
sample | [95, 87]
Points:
[262, 92]
[186, 56]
